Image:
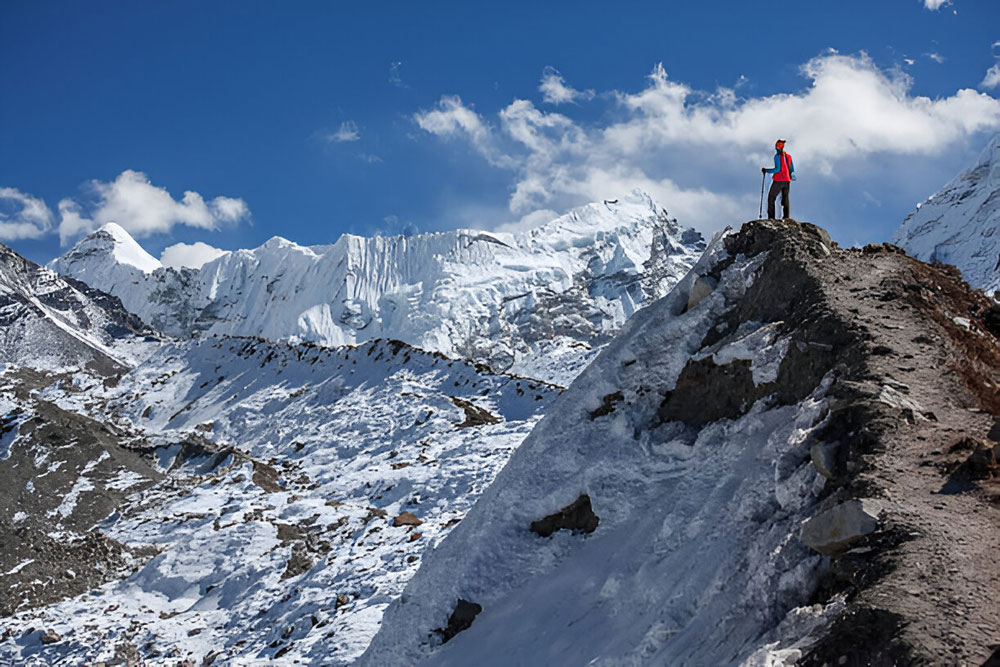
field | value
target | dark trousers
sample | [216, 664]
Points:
[776, 187]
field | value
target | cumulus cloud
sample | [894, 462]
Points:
[936, 4]
[142, 208]
[192, 255]
[555, 91]
[23, 216]
[348, 131]
[992, 78]
[673, 140]
[936, 57]
[453, 119]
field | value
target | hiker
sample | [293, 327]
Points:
[784, 174]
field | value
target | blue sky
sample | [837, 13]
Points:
[309, 119]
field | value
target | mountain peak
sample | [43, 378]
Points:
[957, 224]
[128, 251]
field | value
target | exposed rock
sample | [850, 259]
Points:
[298, 563]
[824, 458]
[474, 415]
[862, 637]
[842, 525]
[706, 392]
[577, 516]
[461, 618]
[50, 637]
[406, 519]
[266, 477]
[607, 405]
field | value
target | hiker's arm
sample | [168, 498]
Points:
[777, 165]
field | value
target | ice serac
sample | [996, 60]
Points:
[690, 437]
[960, 225]
[533, 302]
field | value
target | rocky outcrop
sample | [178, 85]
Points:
[52, 323]
[461, 619]
[578, 516]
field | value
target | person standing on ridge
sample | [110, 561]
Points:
[784, 174]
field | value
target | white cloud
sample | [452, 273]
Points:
[681, 145]
[192, 255]
[23, 216]
[142, 208]
[936, 57]
[348, 131]
[555, 91]
[936, 4]
[452, 119]
[992, 78]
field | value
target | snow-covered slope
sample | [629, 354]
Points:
[284, 468]
[691, 562]
[56, 324]
[960, 225]
[533, 302]
[678, 471]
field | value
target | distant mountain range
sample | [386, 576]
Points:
[533, 303]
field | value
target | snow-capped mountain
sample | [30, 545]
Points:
[960, 225]
[532, 302]
[52, 323]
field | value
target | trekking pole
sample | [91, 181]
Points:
[760, 215]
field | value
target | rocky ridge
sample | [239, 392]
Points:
[56, 323]
[793, 458]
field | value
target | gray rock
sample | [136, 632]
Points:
[824, 458]
[834, 530]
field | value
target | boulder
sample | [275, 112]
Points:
[824, 458]
[833, 531]
[406, 519]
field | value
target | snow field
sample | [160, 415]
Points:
[354, 435]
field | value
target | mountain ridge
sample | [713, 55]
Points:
[509, 300]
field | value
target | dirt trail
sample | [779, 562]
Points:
[945, 579]
[909, 412]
